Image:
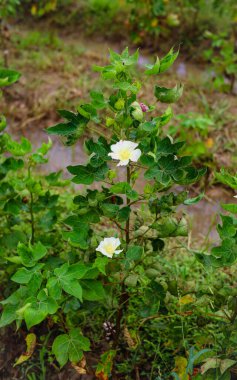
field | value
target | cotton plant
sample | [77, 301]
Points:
[127, 135]
[113, 239]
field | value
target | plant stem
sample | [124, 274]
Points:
[127, 202]
[124, 296]
[32, 220]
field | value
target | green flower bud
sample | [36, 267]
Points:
[173, 19]
[109, 122]
[119, 105]
[135, 105]
[137, 114]
[112, 174]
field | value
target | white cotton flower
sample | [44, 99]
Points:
[108, 247]
[125, 151]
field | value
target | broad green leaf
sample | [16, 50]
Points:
[134, 252]
[98, 100]
[225, 254]
[101, 263]
[68, 281]
[93, 290]
[124, 188]
[8, 315]
[39, 308]
[23, 275]
[169, 226]
[70, 347]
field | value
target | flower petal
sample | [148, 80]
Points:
[135, 155]
[117, 252]
[123, 163]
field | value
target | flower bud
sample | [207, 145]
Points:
[144, 107]
[112, 174]
[119, 105]
[137, 114]
[109, 122]
[173, 20]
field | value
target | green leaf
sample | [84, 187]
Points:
[39, 308]
[72, 287]
[153, 69]
[31, 254]
[15, 148]
[70, 347]
[8, 315]
[3, 123]
[131, 280]
[88, 174]
[134, 252]
[165, 117]
[225, 254]
[124, 188]
[192, 201]
[231, 207]
[23, 275]
[8, 77]
[126, 86]
[228, 227]
[227, 178]
[93, 290]
[101, 263]
[68, 282]
[62, 129]
[169, 226]
[168, 95]
[168, 60]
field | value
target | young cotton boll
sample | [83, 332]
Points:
[108, 247]
[125, 151]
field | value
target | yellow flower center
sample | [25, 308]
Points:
[124, 154]
[109, 248]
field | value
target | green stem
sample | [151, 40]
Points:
[32, 219]
[127, 203]
[124, 296]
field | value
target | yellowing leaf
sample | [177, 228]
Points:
[34, 10]
[80, 367]
[209, 143]
[180, 367]
[131, 338]
[30, 347]
[186, 299]
[104, 368]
